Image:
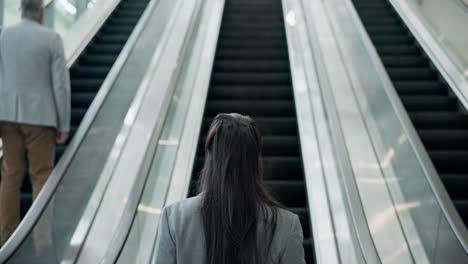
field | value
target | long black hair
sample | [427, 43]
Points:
[235, 200]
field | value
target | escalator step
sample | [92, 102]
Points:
[276, 108]
[238, 27]
[82, 99]
[267, 126]
[391, 40]
[439, 120]
[266, 34]
[292, 193]
[385, 29]
[77, 115]
[380, 20]
[247, 78]
[420, 87]
[397, 50]
[113, 38]
[86, 85]
[444, 139]
[248, 24]
[429, 103]
[450, 162]
[99, 60]
[309, 250]
[253, 92]
[246, 54]
[406, 61]
[462, 207]
[90, 72]
[251, 65]
[105, 48]
[456, 185]
[251, 43]
[401, 74]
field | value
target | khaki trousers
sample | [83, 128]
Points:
[23, 145]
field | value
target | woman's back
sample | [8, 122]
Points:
[235, 220]
[181, 236]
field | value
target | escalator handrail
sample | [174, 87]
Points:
[463, 4]
[90, 211]
[125, 223]
[420, 152]
[87, 26]
[460, 88]
[366, 245]
[445, 60]
[38, 206]
[129, 175]
[312, 128]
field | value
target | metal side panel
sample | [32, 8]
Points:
[71, 184]
[170, 171]
[416, 191]
[380, 215]
[447, 61]
[315, 142]
[149, 116]
[86, 27]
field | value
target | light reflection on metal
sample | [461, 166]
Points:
[291, 18]
[402, 139]
[149, 209]
[70, 8]
[379, 222]
[169, 142]
[388, 158]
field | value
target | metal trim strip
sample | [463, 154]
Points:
[58, 173]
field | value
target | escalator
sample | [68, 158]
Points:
[435, 113]
[251, 76]
[92, 67]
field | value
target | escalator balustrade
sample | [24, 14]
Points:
[439, 121]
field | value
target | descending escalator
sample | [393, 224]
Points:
[251, 76]
[440, 123]
[92, 67]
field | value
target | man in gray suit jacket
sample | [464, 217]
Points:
[34, 107]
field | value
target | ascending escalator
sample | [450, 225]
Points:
[251, 76]
[92, 67]
[440, 123]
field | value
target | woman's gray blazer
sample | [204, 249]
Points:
[181, 240]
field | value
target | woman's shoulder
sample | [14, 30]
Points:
[186, 207]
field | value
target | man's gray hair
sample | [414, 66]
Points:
[31, 8]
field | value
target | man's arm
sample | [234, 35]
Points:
[61, 85]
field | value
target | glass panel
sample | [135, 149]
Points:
[52, 236]
[420, 213]
[63, 14]
[140, 243]
[11, 11]
[447, 21]
[60, 15]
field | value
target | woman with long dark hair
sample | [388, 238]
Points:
[234, 219]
